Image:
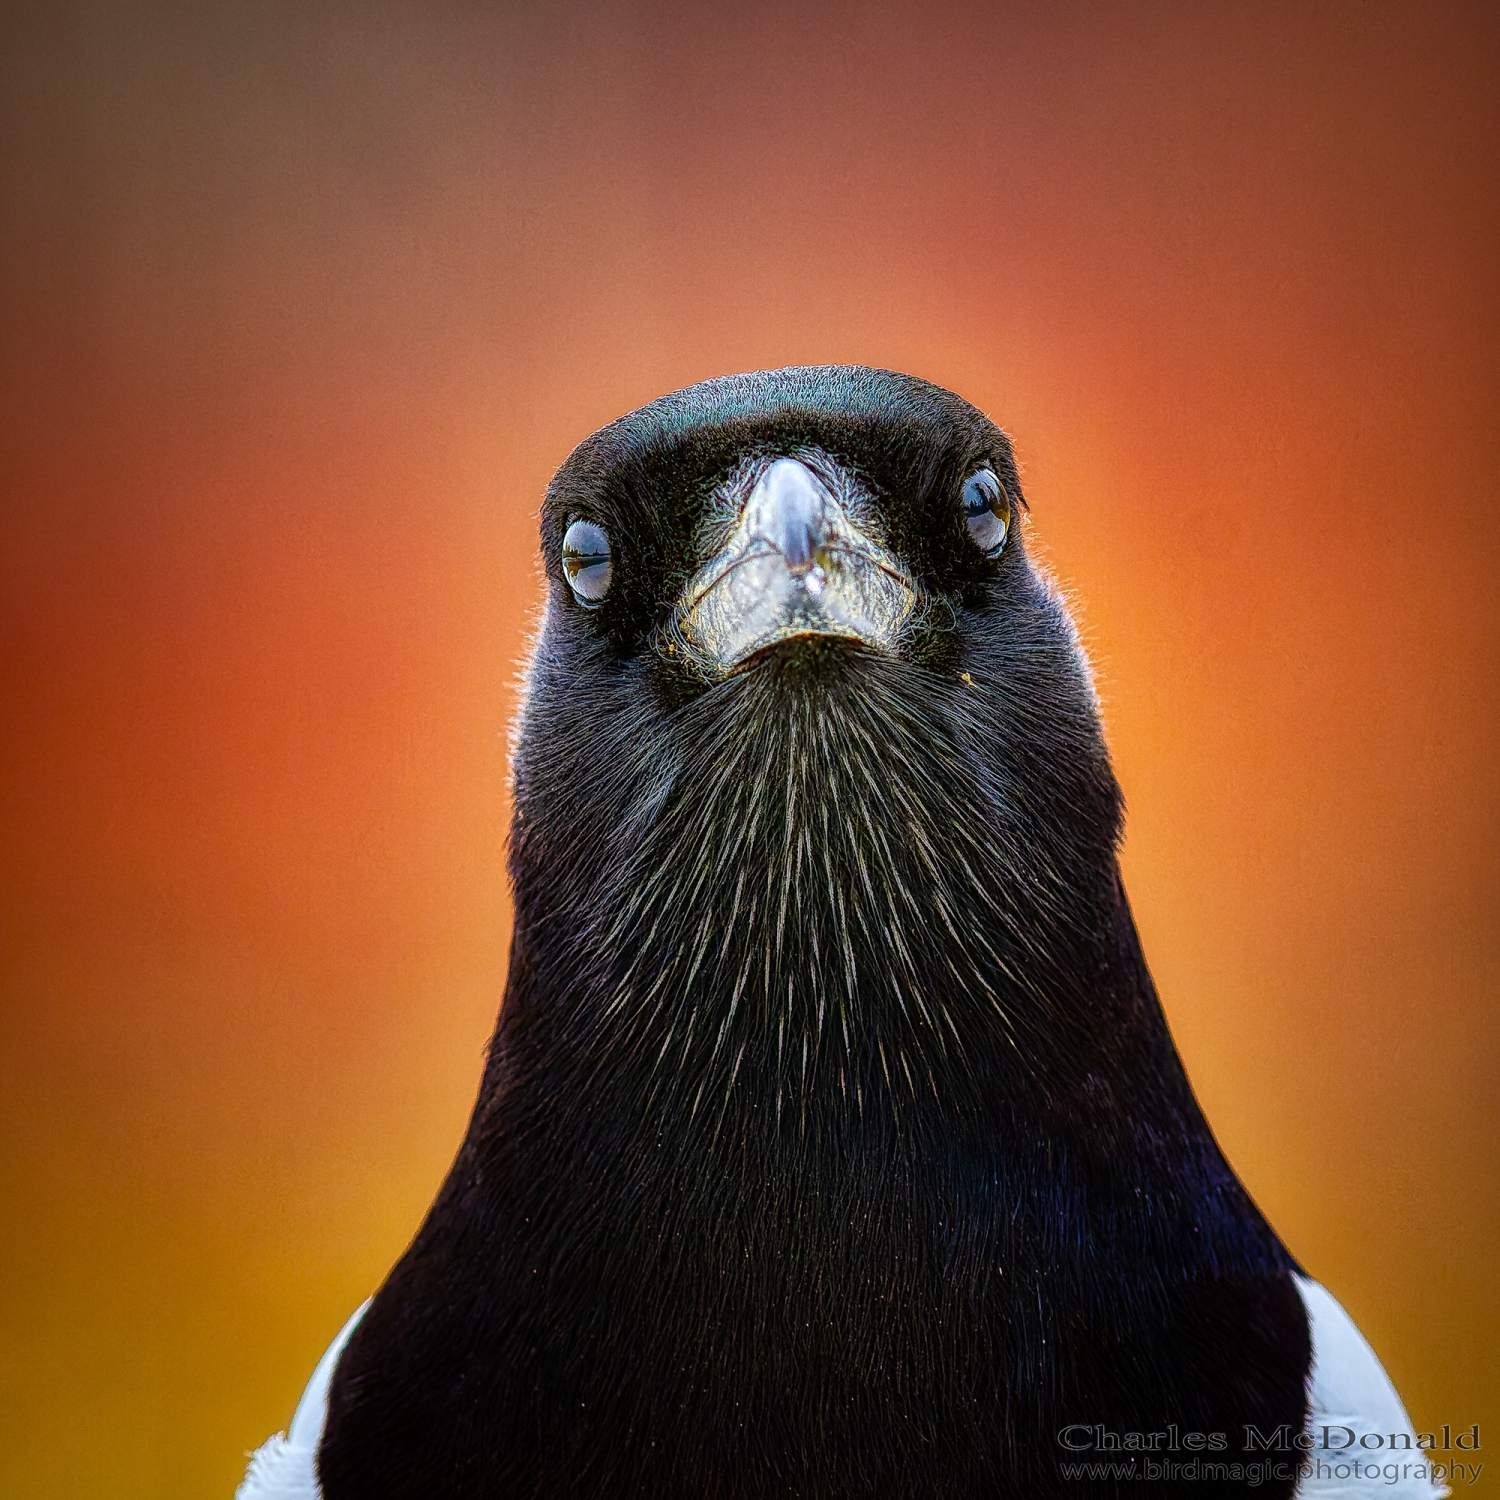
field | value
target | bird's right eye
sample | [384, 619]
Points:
[987, 510]
[586, 562]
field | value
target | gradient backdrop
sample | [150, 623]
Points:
[302, 304]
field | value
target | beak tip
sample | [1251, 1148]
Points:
[789, 508]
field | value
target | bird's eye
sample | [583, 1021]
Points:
[987, 510]
[586, 562]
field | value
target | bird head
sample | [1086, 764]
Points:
[809, 767]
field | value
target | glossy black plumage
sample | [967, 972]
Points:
[831, 1140]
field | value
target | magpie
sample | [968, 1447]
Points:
[831, 1140]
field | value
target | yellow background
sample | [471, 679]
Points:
[302, 303]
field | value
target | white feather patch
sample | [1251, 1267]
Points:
[284, 1467]
[1349, 1392]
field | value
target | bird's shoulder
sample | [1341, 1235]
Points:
[1348, 1389]
[284, 1467]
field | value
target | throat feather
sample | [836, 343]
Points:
[831, 892]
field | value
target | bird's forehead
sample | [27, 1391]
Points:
[899, 432]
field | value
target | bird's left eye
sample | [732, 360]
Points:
[987, 510]
[586, 562]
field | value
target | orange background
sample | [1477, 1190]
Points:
[302, 303]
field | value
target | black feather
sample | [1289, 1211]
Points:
[831, 1141]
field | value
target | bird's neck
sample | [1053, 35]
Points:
[821, 914]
